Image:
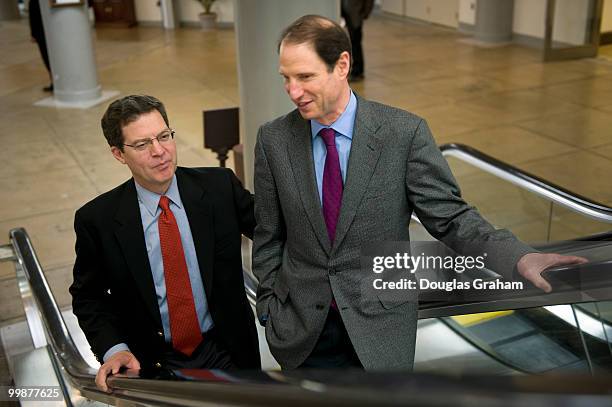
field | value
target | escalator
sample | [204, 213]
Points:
[511, 350]
[566, 332]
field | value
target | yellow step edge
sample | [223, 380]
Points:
[473, 319]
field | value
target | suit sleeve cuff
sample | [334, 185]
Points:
[117, 348]
[263, 319]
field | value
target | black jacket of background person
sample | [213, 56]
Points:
[36, 24]
[113, 294]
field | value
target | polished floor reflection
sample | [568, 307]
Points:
[553, 119]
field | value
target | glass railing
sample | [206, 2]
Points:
[566, 331]
[534, 209]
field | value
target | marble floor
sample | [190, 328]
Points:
[554, 120]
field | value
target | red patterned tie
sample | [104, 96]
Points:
[184, 326]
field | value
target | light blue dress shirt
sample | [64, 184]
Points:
[344, 137]
[148, 202]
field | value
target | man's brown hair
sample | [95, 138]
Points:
[327, 37]
[126, 110]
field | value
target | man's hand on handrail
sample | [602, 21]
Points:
[113, 365]
[531, 266]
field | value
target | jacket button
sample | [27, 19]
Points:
[331, 272]
[160, 333]
[158, 365]
[320, 306]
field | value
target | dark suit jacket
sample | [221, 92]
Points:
[394, 168]
[113, 295]
[355, 11]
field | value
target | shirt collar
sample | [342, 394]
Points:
[150, 199]
[343, 124]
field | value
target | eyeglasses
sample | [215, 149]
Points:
[161, 138]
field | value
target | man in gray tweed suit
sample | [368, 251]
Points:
[337, 173]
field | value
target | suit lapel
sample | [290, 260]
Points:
[130, 235]
[365, 151]
[302, 164]
[197, 207]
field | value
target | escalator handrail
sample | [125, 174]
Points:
[50, 315]
[533, 183]
[145, 391]
[446, 309]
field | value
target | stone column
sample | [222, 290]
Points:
[9, 10]
[262, 96]
[494, 20]
[71, 53]
[170, 14]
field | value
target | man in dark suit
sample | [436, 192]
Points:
[37, 33]
[354, 13]
[158, 274]
[333, 175]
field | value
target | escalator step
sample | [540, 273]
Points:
[500, 330]
[536, 354]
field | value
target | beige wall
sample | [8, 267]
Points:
[416, 9]
[148, 10]
[606, 20]
[529, 16]
[467, 11]
[571, 21]
[393, 6]
[444, 12]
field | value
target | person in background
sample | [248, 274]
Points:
[37, 33]
[354, 13]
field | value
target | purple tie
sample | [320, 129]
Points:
[332, 188]
[332, 183]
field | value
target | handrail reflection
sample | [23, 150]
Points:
[530, 182]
